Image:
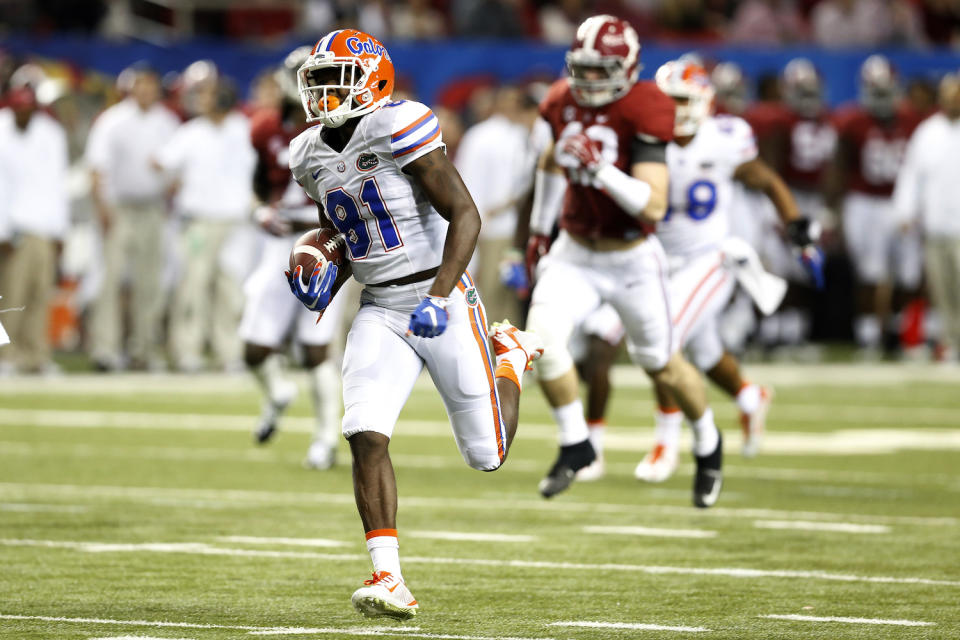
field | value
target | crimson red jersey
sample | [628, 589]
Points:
[644, 114]
[274, 183]
[874, 148]
[808, 146]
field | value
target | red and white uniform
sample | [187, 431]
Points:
[270, 312]
[693, 232]
[875, 152]
[573, 280]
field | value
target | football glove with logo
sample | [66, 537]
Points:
[803, 235]
[317, 294]
[430, 317]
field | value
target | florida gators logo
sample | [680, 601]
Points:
[472, 298]
[367, 162]
[357, 46]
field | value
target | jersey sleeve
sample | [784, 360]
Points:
[414, 133]
[652, 113]
[298, 162]
[741, 144]
[553, 103]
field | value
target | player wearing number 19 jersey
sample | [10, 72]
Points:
[378, 173]
[609, 137]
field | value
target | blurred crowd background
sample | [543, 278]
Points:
[98, 215]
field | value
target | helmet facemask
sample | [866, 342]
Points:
[612, 79]
[322, 82]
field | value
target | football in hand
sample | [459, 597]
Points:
[314, 249]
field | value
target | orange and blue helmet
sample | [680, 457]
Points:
[361, 81]
[688, 83]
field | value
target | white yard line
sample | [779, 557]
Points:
[899, 623]
[139, 638]
[837, 527]
[407, 632]
[42, 508]
[627, 625]
[779, 374]
[469, 537]
[293, 542]
[652, 532]
[237, 498]
[200, 548]
[839, 442]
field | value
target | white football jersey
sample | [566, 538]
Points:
[391, 228]
[701, 185]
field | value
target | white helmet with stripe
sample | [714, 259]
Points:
[604, 61]
[689, 85]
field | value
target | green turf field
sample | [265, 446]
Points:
[136, 507]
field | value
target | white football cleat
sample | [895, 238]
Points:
[385, 595]
[505, 337]
[593, 471]
[273, 408]
[658, 465]
[754, 424]
[320, 456]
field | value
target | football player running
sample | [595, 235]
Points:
[609, 138]
[269, 313]
[378, 172]
[707, 155]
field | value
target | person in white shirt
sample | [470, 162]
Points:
[33, 164]
[128, 195]
[213, 161]
[928, 193]
[495, 159]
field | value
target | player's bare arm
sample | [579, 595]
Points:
[656, 176]
[441, 183]
[757, 175]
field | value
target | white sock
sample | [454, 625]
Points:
[571, 425]
[325, 391]
[705, 434]
[667, 425]
[385, 552]
[267, 374]
[748, 398]
[597, 429]
[867, 331]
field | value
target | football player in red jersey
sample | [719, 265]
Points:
[270, 313]
[872, 138]
[609, 145]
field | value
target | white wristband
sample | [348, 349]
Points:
[630, 193]
[548, 191]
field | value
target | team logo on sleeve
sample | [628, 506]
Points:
[341, 167]
[471, 296]
[367, 162]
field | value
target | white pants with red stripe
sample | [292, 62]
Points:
[574, 281]
[381, 363]
[700, 288]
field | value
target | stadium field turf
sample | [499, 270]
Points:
[138, 507]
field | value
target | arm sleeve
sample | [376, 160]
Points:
[742, 146]
[415, 132]
[644, 149]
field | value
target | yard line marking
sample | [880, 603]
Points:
[293, 542]
[649, 531]
[139, 638]
[470, 537]
[839, 442]
[799, 618]
[53, 508]
[838, 527]
[626, 625]
[406, 632]
[200, 548]
[229, 498]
